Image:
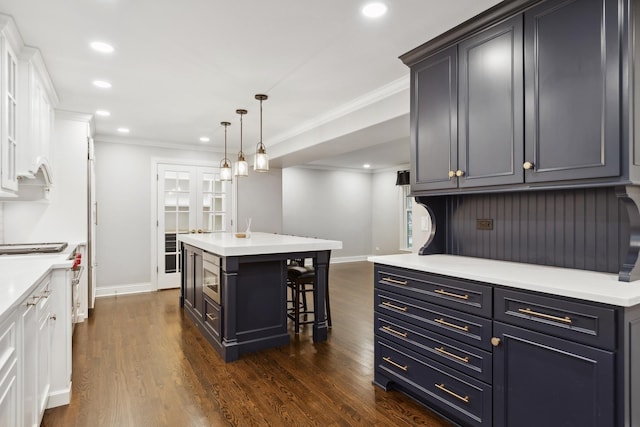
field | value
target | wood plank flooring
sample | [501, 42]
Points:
[138, 361]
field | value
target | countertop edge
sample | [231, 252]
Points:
[554, 281]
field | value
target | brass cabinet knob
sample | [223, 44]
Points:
[527, 165]
[199, 230]
[193, 231]
[459, 173]
[452, 174]
[495, 341]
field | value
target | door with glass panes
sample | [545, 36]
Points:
[191, 199]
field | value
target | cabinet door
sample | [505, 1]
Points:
[490, 112]
[9, 403]
[434, 136]
[8, 127]
[189, 284]
[572, 90]
[545, 381]
[29, 364]
[43, 379]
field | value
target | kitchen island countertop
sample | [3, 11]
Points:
[586, 285]
[226, 244]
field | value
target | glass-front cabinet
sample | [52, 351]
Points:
[191, 199]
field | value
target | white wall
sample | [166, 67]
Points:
[358, 208]
[123, 192]
[386, 206]
[63, 218]
[260, 198]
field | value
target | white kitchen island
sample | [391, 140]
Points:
[250, 311]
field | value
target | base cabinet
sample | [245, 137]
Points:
[547, 360]
[9, 401]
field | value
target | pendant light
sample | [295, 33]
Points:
[261, 160]
[225, 164]
[242, 167]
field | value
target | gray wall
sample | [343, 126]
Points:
[359, 208]
[123, 191]
[260, 198]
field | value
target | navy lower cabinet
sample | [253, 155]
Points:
[546, 381]
[481, 354]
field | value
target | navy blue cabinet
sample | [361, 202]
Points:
[516, 358]
[192, 281]
[529, 94]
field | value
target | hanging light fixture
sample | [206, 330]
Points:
[242, 167]
[261, 161]
[225, 164]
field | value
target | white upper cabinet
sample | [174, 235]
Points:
[10, 42]
[36, 124]
[27, 102]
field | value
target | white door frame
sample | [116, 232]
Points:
[155, 162]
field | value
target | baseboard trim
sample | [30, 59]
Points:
[340, 260]
[59, 397]
[131, 288]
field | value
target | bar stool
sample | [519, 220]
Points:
[301, 281]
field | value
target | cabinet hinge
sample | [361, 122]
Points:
[157, 269]
[157, 223]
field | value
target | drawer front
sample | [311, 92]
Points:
[446, 291]
[465, 358]
[213, 318]
[7, 342]
[464, 398]
[464, 327]
[578, 322]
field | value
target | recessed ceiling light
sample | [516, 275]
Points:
[366, 166]
[204, 139]
[123, 130]
[374, 10]
[103, 113]
[102, 47]
[102, 84]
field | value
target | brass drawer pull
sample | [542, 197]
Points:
[450, 294]
[397, 307]
[397, 282]
[530, 312]
[451, 325]
[456, 395]
[211, 317]
[397, 365]
[445, 352]
[393, 331]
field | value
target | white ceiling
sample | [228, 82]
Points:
[333, 77]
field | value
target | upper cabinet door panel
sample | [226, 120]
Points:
[572, 53]
[490, 111]
[434, 121]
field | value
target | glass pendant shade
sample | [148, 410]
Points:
[225, 164]
[261, 159]
[241, 166]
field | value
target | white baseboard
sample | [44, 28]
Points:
[348, 259]
[59, 397]
[131, 288]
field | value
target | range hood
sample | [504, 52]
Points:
[35, 183]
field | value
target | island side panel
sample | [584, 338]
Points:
[321, 264]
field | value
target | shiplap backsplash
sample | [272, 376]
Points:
[583, 229]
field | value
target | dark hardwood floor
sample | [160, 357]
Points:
[139, 362]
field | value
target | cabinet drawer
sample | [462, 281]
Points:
[465, 358]
[7, 342]
[578, 322]
[449, 292]
[464, 327]
[213, 318]
[464, 398]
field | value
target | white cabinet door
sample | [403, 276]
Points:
[29, 320]
[43, 380]
[191, 199]
[9, 117]
[9, 401]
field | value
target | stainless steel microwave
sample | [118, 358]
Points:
[212, 281]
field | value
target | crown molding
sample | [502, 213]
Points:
[34, 58]
[111, 139]
[356, 104]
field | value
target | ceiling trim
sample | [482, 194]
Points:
[356, 104]
[153, 144]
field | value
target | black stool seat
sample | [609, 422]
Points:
[301, 280]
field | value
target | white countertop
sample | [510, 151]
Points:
[20, 273]
[582, 284]
[226, 244]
